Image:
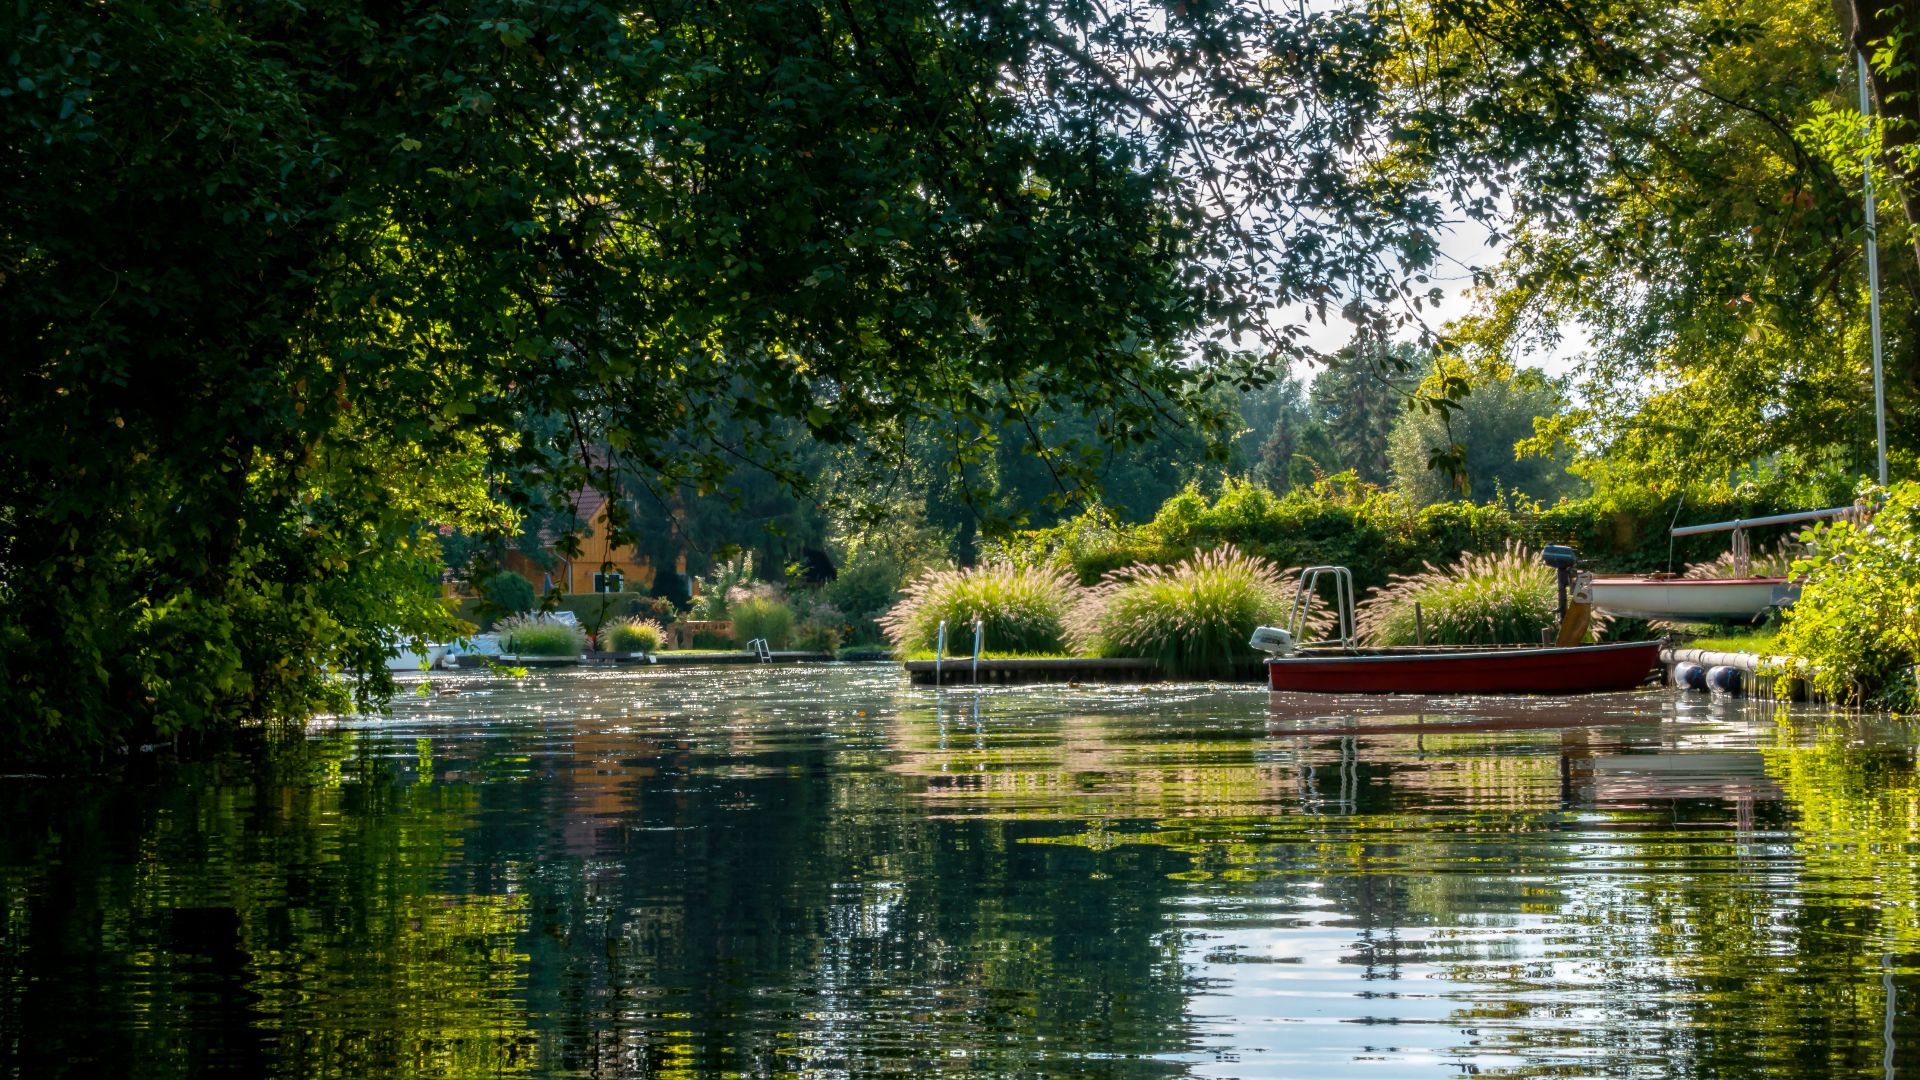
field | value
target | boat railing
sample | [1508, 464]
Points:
[1309, 590]
[1742, 552]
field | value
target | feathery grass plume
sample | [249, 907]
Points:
[634, 634]
[1193, 617]
[531, 635]
[1023, 608]
[1493, 598]
[1775, 561]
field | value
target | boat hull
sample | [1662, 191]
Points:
[1690, 600]
[1577, 669]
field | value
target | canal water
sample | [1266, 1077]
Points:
[823, 871]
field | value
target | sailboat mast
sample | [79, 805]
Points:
[1873, 281]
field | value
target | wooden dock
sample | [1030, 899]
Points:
[1009, 672]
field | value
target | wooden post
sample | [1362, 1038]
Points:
[1419, 625]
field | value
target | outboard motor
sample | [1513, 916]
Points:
[1273, 641]
[1562, 558]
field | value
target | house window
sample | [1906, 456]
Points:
[609, 581]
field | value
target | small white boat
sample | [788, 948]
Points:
[1690, 599]
[435, 658]
[1733, 599]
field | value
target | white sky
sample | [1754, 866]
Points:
[1464, 245]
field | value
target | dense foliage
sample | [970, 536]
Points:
[1855, 631]
[289, 288]
[1193, 618]
[1491, 424]
[1021, 610]
[1377, 533]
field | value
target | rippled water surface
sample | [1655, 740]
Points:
[823, 871]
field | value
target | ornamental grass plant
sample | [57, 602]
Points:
[761, 617]
[1193, 617]
[531, 635]
[1023, 609]
[634, 634]
[1500, 597]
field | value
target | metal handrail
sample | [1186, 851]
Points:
[940, 650]
[1771, 519]
[1303, 598]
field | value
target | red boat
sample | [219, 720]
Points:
[1456, 669]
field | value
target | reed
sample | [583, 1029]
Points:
[1023, 609]
[1194, 617]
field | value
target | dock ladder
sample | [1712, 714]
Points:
[761, 650]
[1303, 599]
[940, 651]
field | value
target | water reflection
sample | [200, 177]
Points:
[826, 872]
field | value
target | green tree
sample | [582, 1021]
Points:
[1355, 401]
[1695, 220]
[1493, 420]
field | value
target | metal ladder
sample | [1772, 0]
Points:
[761, 650]
[940, 651]
[1303, 598]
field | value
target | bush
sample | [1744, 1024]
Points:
[1854, 634]
[711, 604]
[822, 626]
[660, 609]
[1023, 609]
[1194, 617]
[1500, 598]
[528, 635]
[509, 593]
[761, 617]
[634, 634]
[818, 636]
[1378, 534]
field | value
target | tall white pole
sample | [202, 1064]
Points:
[1873, 284]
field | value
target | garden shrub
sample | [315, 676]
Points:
[1023, 609]
[660, 609]
[1378, 534]
[716, 588]
[1854, 633]
[822, 626]
[634, 634]
[530, 635]
[509, 593]
[1194, 617]
[761, 617]
[1496, 598]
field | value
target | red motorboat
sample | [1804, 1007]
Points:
[1455, 669]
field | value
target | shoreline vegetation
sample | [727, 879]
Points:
[1015, 310]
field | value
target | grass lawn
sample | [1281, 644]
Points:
[1763, 641]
